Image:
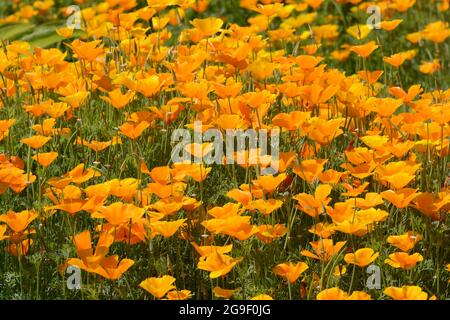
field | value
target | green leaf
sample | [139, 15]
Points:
[15, 31]
[42, 31]
[51, 40]
[46, 41]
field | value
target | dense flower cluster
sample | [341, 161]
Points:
[86, 177]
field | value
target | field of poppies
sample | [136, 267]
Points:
[94, 206]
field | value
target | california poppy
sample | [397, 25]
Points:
[323, 249]
[19, 221]
[36, 142]
[217, 264]
[208, 26]
[224, 293]
[45, 159]
[406, 293]
[403, 260]
[314, 205]
[158, 287]
[404, 242]
[361, 257]
[364, 50]
[290, 271]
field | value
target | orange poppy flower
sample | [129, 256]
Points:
[111, 268]
[228, 210]
[400, 198]
[2, 232]
[359, 31]
[290, 271]
[403, 260]
[67, 199]
[94, 145]
[354, 191]
[166, 228]
[4, 127]
[158, 287]
[133, 131]
[324, 249]
[85, 251]
[45, 159]
[224, 293]
[19, 221]
[35, 142]
[243, 197]
[167, 206]
[217, 264]
[230, 122]
[268, 233]
[196, 90]
[402, 5]
[266, 207]
[436, 32]
[148, 86]
[339, 271]
[370, 76]
[204, 251]
[228, 90]
[117, 99]
[384, 107]
[97, 262]
[371, 215]
[314, 205]
[406, 293]
[362, 171]
[399, 149]
[355, 227]
[342, 211]
[365, 50]
[307, 61]
[323, 132]
[21, 248]
[87, 50]
[330, 176]
[179, 295]
[46, 128]
[404, 242]
[414, 37]
[268, 10]
[390, 25]
[396, 60]
[413, 91]
[338, 294]
[238, 227]
[361, 257]
[315, 4]
[430, 67]
[196, 171]
[79, 174]
[75, 100]
[332, 294]
[291, 121]
[359, 295]
[323, 230]
[433, 205]
[398, 174]
[371, 200]
[119, 213]
[208, 26]
[56, 110]
[269, 183]
[309, 170]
